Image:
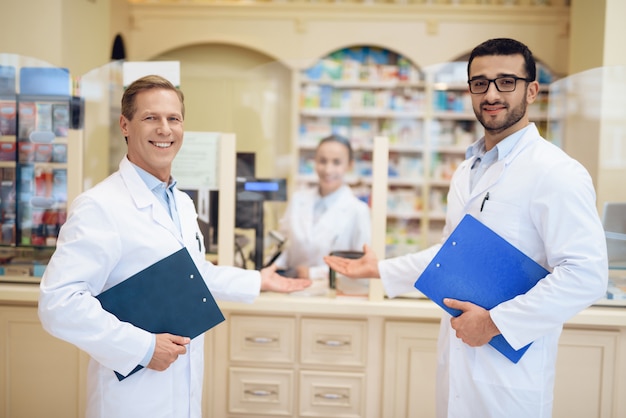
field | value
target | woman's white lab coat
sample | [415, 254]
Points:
[345, 225]
[113, 231]
[543, 202]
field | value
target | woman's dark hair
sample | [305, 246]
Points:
[341, 140]
[505, 46]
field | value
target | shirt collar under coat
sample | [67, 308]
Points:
[508, 149]
[503, 148]
[143, 197]
[328, 200]
[335, 200]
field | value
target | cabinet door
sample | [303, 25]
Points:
[585, 372]
[410, 360]
[40, 376]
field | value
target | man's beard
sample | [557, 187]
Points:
[495, 127]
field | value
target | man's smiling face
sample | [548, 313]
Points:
[502, 113]
[155, 132]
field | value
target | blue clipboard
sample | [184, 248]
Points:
[169, 296]
[477, 265]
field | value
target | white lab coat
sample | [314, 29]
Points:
[345, 226]
[114, 230]
[543, 202]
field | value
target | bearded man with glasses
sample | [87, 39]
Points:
[540, 200]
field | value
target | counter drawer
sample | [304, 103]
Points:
[333, 342]
[332, 394]
[260, 392]
[262, 338]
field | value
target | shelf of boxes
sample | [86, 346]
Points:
[360, 93]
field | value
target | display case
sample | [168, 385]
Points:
[37, 113]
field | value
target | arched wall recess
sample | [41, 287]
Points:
[303, 61]
[337, 46]
[232, 88]
[234, 42]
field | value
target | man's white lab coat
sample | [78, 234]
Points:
[542, 202]
[113, 231]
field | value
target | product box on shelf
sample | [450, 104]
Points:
[7, 151]
[7, 80]
[8, 121]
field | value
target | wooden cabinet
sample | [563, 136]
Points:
[585, 372]
[260, 378]
[40, 376]
[292, 357]
[296, 367]
[410, 361]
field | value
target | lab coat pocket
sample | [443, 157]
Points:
[502, 217]
[494, 369]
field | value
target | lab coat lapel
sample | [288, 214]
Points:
[493, 175]
[188, 217]
[327, 226]
[489, 179]
[144, 198]
[305, 209]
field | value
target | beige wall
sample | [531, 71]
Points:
[297, 36]
[587, 35]
[65, 33]
[44, 41]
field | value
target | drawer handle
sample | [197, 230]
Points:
[260, 392]
[261, 340]
[331, 396]
[333, 343]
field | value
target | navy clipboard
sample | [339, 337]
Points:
[169, 296]
[477, 265]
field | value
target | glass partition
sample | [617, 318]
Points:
[587, 118]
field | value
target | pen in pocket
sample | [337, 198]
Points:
[482, 205]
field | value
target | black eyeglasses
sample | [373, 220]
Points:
[503, 84]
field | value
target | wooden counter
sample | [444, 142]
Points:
[27, 294]
[313, 356]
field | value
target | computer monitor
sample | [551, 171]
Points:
[246, 165]
[207, 203]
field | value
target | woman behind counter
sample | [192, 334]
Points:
[324, 219]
